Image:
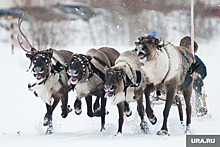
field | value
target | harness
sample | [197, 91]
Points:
[96, 71]
[54, 68]
[83, 60]
[186, 60]
[128, 82]
[159, 46]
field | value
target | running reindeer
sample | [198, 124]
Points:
[166, 67]
[87, 77]
[125, 82]
[49, 68]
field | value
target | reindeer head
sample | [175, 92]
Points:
[146, 48]
[79, 68]
[114, 81]
[40, 59]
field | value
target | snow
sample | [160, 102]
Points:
[22, 111]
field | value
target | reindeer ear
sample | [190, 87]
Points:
[50, 53]
[33, 49]
[157, 41]
[105, 68]
[89, 57]
[122, 71]
[30, 56]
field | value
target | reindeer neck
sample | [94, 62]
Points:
[157, 69]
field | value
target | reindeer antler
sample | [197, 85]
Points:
[19, 27]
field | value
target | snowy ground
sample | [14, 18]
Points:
[21, 111]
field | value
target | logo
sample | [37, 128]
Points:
[202, 140]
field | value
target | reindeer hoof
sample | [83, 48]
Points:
[49, 130]
[78, 112]
[102, 128]
[78, 107]
[153, 120]
[144, 127]
[118, 134]
[188, 131]
[69, 109]
[50, 127]
[128, 113]
[96, 108]
[47, 120]
[163, 133]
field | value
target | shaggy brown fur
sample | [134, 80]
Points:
[50, 72]
[116, 80]
[165, 66]
[87, 75]
[51, 78]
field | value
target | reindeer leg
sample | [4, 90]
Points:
[103, 105]
[152, 118]
[187, 96]
[96, 106]
[50, 109]
[89, 106]
[169, 101]
[179, 105]
[143, 124]
[121, 115]
[48, 116]
[64, 100]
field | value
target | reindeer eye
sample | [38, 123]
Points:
[46, 60]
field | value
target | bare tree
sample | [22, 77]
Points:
[50, 34]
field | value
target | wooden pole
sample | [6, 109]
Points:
[192, 27]
[12, 34]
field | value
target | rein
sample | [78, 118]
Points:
[96, 71]
[160, 48]
[129, 83]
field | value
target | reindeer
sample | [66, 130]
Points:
[87, 77]
[168, 67]
[125, 83]
[49, 68]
